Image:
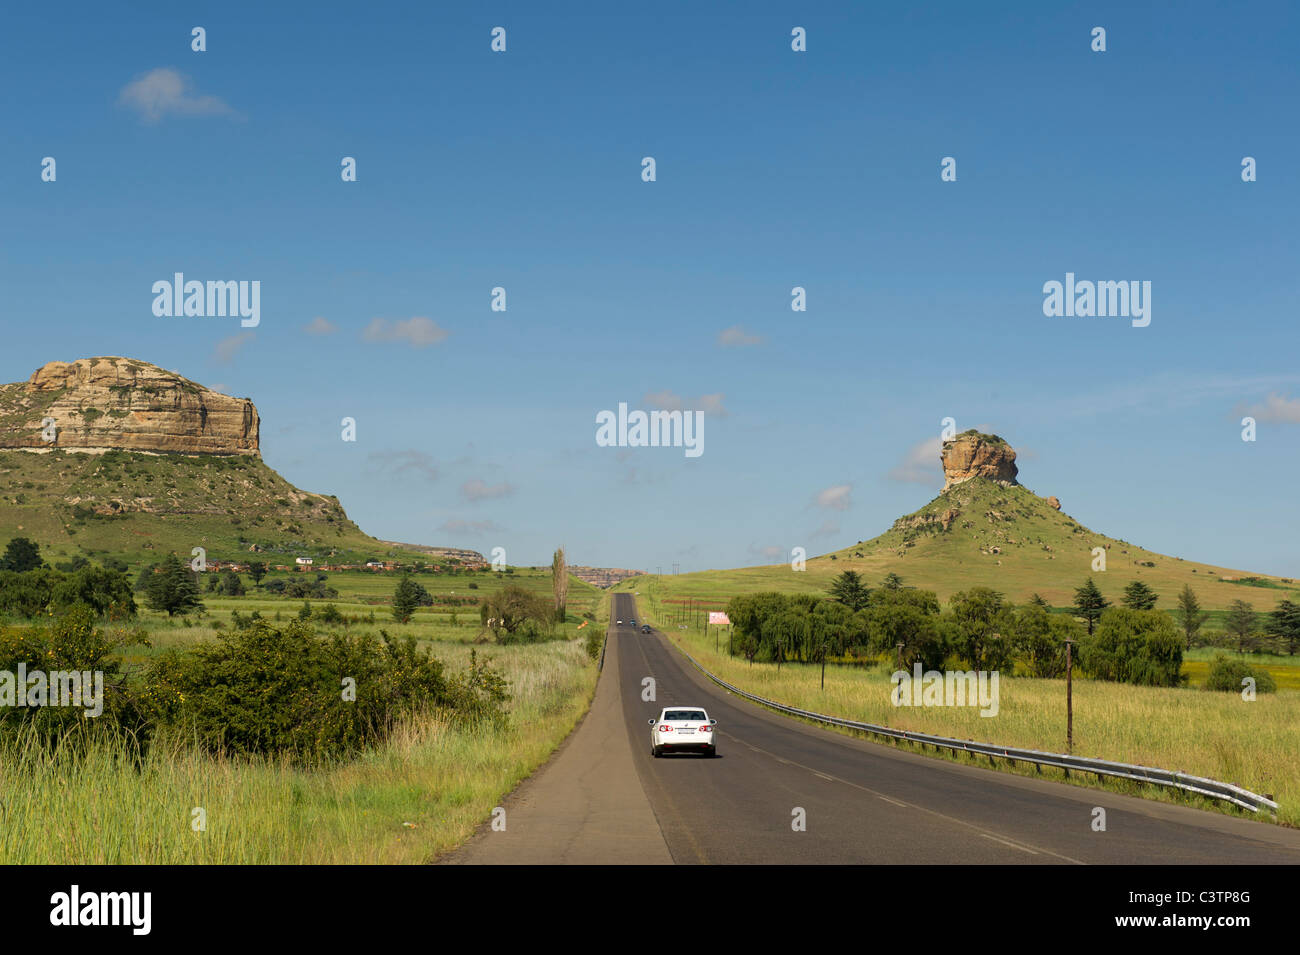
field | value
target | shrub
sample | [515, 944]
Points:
[71, 643]
[1226, 674]
[1134, 646]
[595, 640]
[274, 691]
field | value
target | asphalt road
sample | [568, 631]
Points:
[604, 799]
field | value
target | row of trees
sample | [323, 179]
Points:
[978, 628]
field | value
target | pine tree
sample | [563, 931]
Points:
[174, 589]
[1190, 615]
[1138, 596]
[849, 590]
[1089, 603]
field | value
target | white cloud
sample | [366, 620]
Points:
[737, 337]
[835, 497]
[228, 348]
[417, 331]
[165, 91]
[826, 529]
[670, 401]
[320, 326]
[469, 528]
[1276, 409]
[477, 489]
[404, 462]
[921, 464]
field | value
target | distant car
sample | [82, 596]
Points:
[645, 629]
[620, 623]
[633, 621]
[682, 729]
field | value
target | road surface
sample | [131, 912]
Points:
[604, 799]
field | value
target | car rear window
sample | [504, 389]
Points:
[676, 715]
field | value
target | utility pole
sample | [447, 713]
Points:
[1069, 696]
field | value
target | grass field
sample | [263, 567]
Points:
[1252, 744]
[421, 793]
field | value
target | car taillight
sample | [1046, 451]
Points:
[665, 728]
[706, 728]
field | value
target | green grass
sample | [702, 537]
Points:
[1041, 550]
[362, 593]
[1205, 733]
[420, 794]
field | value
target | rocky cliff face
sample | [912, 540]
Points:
[120, 403]
[972, 454]
[603, 576]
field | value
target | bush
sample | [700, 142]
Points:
[1226, 675]
[274, 691]
[70, 644]
[1134, 646]
[595, 641]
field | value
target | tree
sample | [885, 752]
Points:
[21, 555]
[1240, 622]
[1038, 601]
[1134, 646]
[105, 592]
[512, 606]
[146, 575]
[1138, 596]
[1089, 603]
[892, 582]
[406, 597]
[849, 590]
[560, 583]
[256, 570]
[909, 617]
[1039, 636]
[1284, 623]
[1189, 613]
[174, 588]
[231, 584]
[978, 621]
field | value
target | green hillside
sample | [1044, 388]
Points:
[981, 533]
[131, 504]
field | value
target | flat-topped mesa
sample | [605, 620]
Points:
[122, 404]
[971, 454]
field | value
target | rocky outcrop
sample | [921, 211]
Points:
[603, 576]
[972, 454]
[1052, 501]
[123, 404]
[458, 555]
[943, 518]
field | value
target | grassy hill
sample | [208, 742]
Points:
[134, 505]
[981, 533]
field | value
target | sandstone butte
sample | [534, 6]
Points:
[111, 403]
[971, 454]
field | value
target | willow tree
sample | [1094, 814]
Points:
[560, 581]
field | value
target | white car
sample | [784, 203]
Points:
[620, 623]
[683, 729]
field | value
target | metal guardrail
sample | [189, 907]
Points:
[1211, 788]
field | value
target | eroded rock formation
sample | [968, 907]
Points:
[122, 403]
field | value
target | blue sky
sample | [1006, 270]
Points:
[775, 169]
